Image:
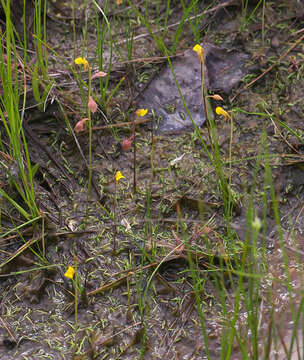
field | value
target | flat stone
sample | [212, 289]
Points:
[224, 68]
[163, 97]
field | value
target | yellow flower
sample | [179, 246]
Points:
[200, 52]
[198, 49]
[70, 272]
[118, 176]
[141, 112]
[82, 61]
[222, 112]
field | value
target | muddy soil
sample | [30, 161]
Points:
[135, 295]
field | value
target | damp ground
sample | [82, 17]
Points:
[143, 257]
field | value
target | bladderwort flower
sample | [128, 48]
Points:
[82, 61]
[70, 273]
[220, 111]
[118, 176]
[200, 52]
[141, 112]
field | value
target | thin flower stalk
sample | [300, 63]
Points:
[200, 52]
[139, 113]
[118, 176]
[90, 144]
[221, 112]
[75, 283]
[71, 273]
[91, 108]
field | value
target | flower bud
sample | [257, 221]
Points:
[92, 105]
[79, 127]
[127, 143]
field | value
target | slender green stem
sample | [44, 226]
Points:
[114, 215]
[202, 60]
[134, 153]
[90, 143]
[75, 284]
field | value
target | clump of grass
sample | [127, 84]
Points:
[21, 174]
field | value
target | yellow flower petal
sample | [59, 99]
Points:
[141, 112]
[118, 176]
[82, 61]
[198, 49]
[222, 112]
[70, 272]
